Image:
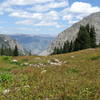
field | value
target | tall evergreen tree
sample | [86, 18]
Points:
[83, 39]
[93, 37]
[2, 50]
[16, 53]
[66, 47]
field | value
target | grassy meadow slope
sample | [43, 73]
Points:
[72, 76]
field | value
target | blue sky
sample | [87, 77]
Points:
[43, 16]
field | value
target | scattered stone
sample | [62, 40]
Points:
[65, 62]
[27, 86]
[15, 61]
[72, 56]
[6, 91]
[44, 71]
[25, 64]
[54, 62]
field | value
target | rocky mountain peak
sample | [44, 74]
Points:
[71, 33]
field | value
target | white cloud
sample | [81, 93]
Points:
[45, 13]
[49, 6]
[52, 15]
[67, 17]
[77, 11]
[24, 14]
[82, 7]
[26, 2]
[31, 2]
[41, 23]
[47, 23]
[25, 22]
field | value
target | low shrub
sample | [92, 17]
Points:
[95, 58]
[6, 77]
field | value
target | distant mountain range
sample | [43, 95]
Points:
[36, 44]
[71, 33]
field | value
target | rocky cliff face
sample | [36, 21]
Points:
[71, 33]
[10, 43]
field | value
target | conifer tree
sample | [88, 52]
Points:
[2, 50]
[15, 53]
[66, 47]
[83, 39]
[93, 37]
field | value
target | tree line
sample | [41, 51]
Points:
[86, 38]
[5, 51]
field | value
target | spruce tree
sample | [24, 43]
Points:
[15, 53]
[83, 39]
[66, 47]
[2, 50]
[93, 37]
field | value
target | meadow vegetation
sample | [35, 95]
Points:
[71, 76]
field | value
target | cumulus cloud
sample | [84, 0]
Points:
[77, 11]
[25, 22]
[26, 2]
[41, 23]
[82, 7]
[49, 6]
[48, 23]
[47, 12]
[52, 15]
[24, 14]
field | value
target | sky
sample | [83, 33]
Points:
[50, 17]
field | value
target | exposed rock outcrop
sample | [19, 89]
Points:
[71, 33]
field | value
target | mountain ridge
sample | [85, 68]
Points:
[71, 32]
[8, 42]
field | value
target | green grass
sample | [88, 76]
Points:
[77, 78]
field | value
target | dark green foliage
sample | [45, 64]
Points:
[5, 77]
[83, 39]
[86, 39]
[93, 37]
[58, 51]
[5, 51]
[66, 47]
[95, 58]
[16, 51]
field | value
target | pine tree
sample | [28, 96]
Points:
[93, 37]
[30, 53]
[87, 28]
[66, 47]
[15, 53]
[2, 50]
[71, 46]
[83, 39]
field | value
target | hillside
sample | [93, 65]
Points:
[72, 76]
[8, 42]
[71, 32]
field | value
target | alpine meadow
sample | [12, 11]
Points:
[49, 50]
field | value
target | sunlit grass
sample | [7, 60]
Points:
[77, 78]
